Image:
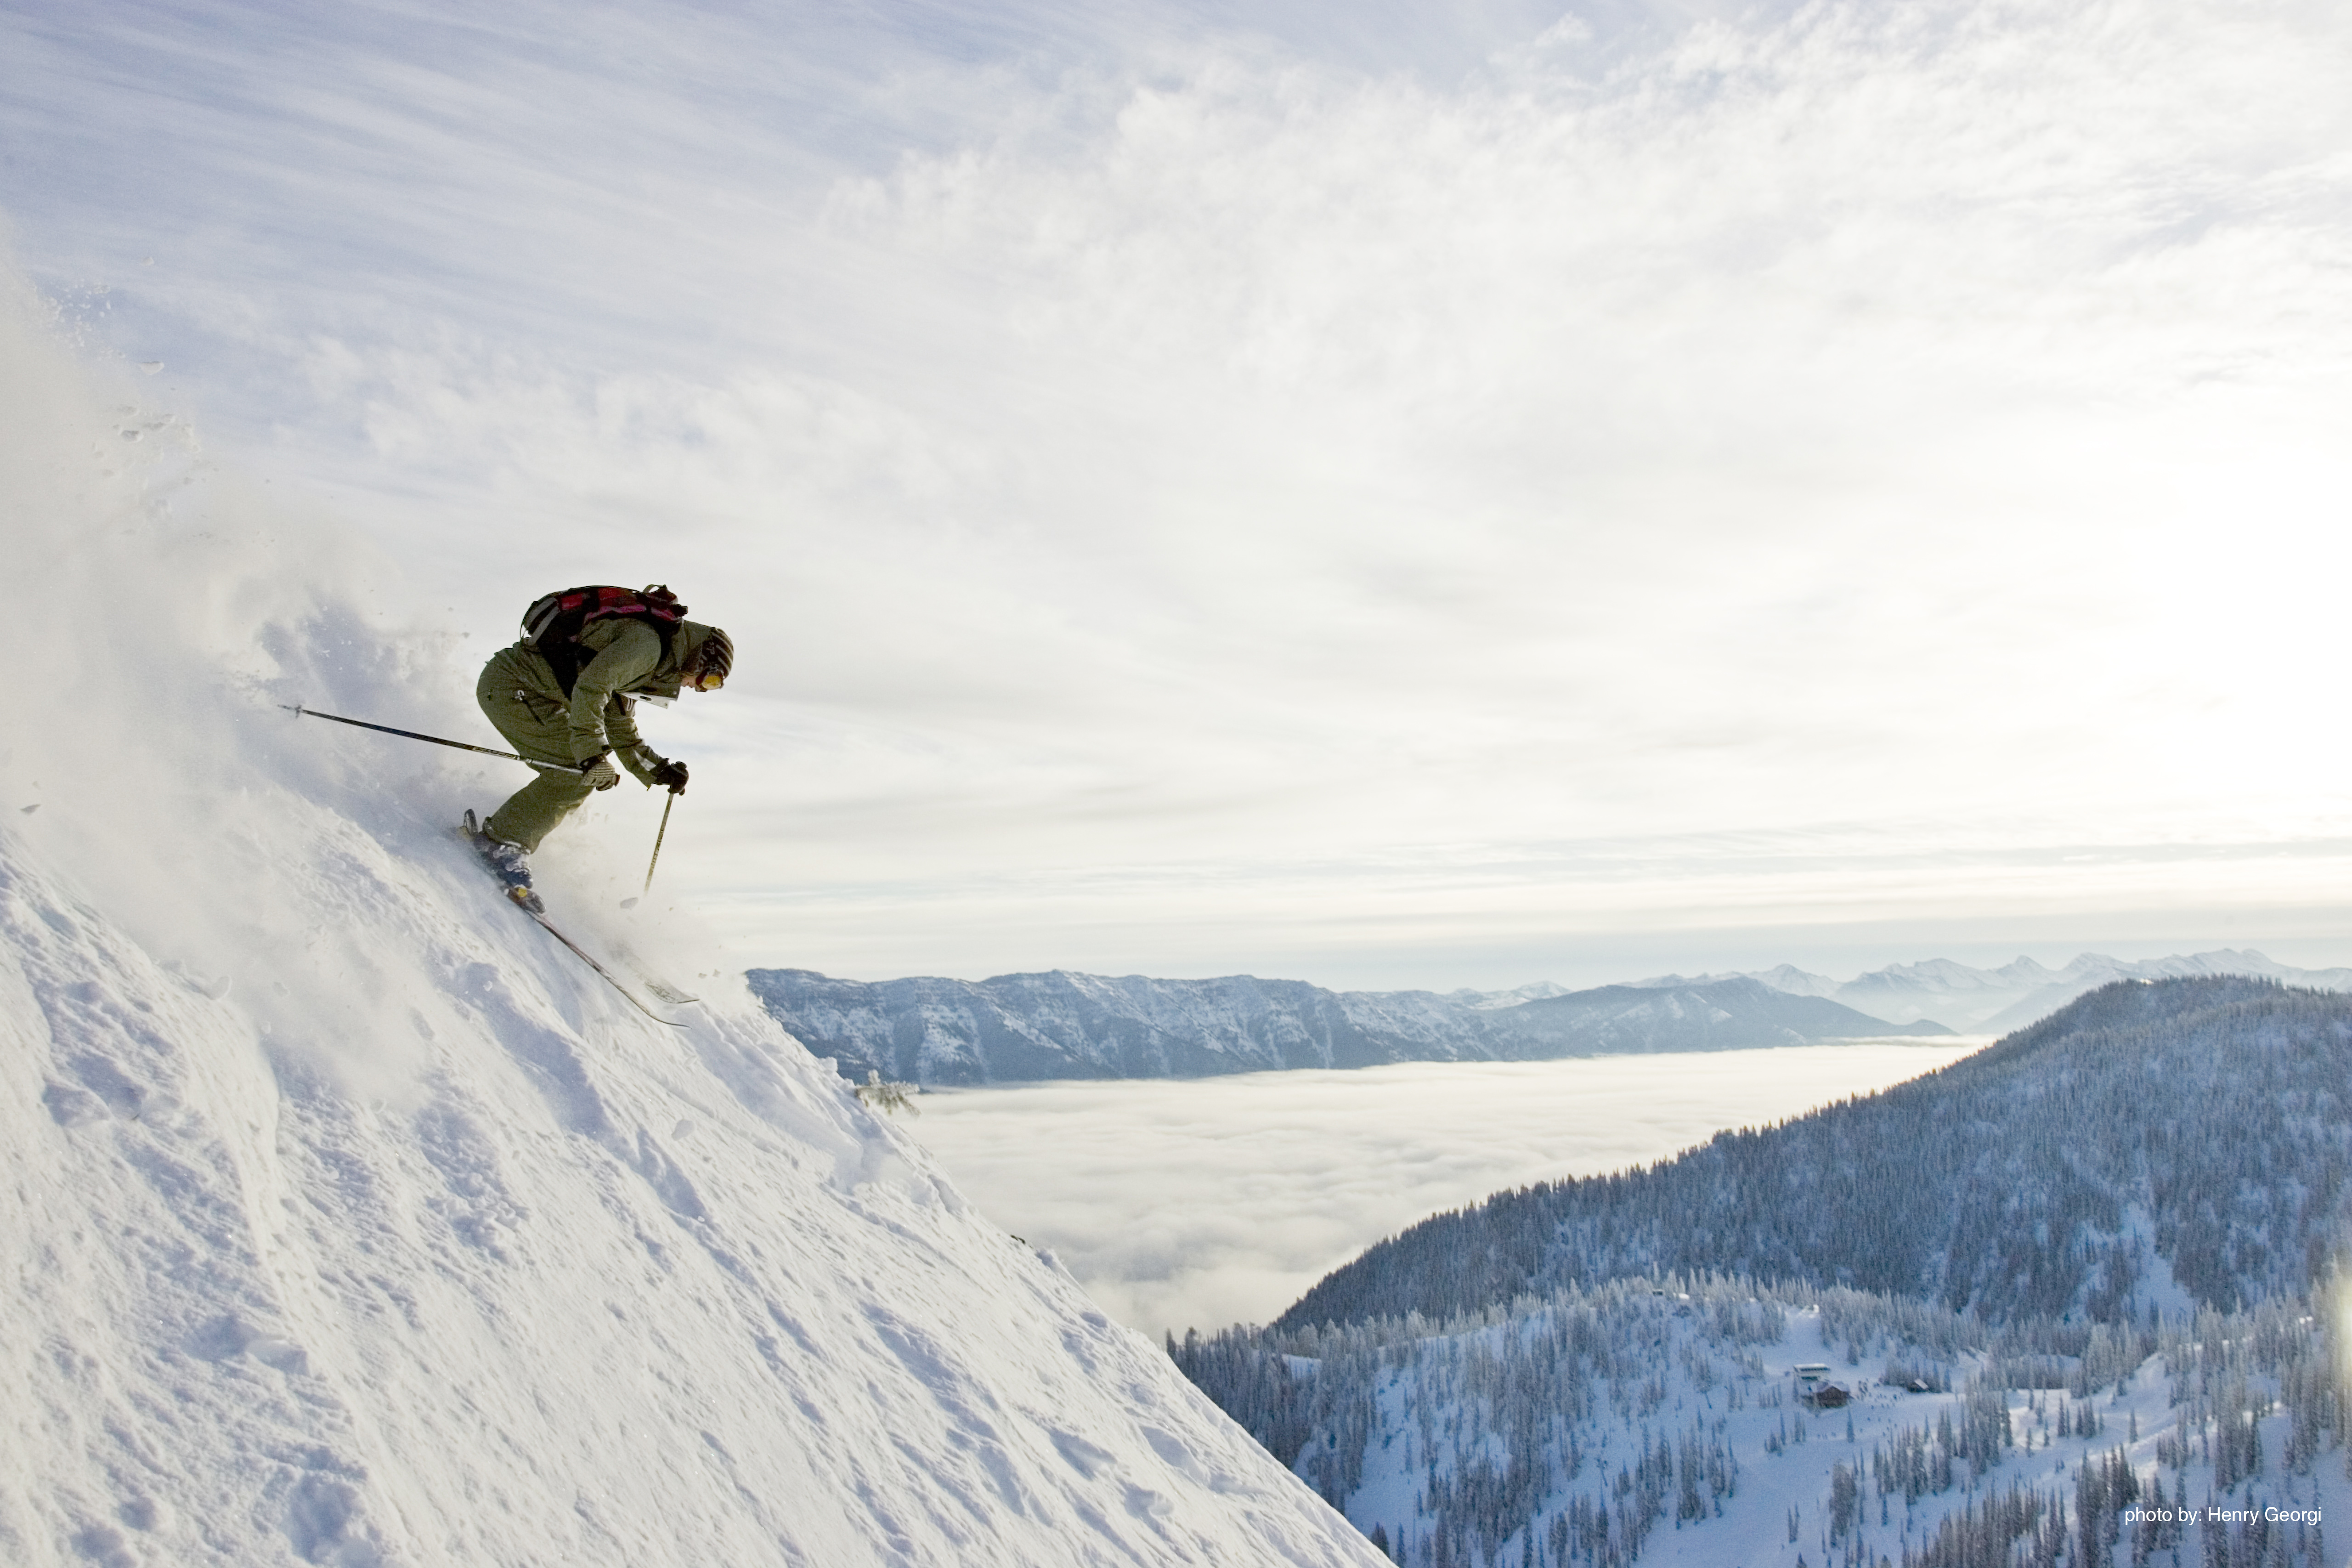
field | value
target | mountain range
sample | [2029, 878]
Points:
[2021, 992]
[1061, 1025]
[1021, 1027]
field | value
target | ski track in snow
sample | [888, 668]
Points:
[350, 1220]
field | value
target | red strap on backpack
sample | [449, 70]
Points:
[553, 623]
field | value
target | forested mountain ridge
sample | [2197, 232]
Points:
[1061, 1025]
[1693, 1423]
[2151, 1140]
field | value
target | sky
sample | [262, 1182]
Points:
[1196, 1203]
[1385, 495]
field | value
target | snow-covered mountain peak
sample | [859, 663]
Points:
[1797, 982]
[1487, 1001]
[1934, 977]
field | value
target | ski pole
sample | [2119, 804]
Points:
[299, 711]
[658, 838]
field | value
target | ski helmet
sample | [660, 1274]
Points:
[711, 661]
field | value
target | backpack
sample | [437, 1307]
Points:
[553, 623]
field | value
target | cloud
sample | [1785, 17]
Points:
[1206, 1202]
[1166, 477]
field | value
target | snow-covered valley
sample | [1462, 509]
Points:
[1198, 1203]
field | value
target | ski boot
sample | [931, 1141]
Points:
[506, 863]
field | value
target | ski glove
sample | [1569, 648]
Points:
[598, 771]
[669, 775]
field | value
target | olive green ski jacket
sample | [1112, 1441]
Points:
[628, 663]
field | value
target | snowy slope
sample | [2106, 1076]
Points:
[348, 1219]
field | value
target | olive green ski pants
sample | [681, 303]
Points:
[519, 695]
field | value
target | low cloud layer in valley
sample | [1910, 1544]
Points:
[1201, 1203]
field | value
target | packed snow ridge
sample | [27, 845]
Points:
[350, 1220]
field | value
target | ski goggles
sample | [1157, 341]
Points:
[708, 669]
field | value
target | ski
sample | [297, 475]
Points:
[662, 989]
[668, 992]
[586, 957]
[523, 898]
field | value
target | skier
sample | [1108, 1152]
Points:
[565, 699]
